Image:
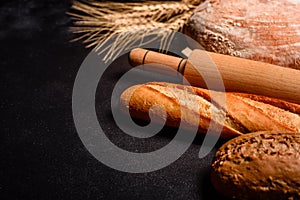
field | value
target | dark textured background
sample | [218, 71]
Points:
[42, 156]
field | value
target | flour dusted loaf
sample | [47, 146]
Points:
[244, 113]
[261, 165]
[262, 30]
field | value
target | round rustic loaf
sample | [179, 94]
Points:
[261, 165]
[261, 30]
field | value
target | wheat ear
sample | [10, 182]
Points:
[129, 23]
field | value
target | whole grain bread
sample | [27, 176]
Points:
[260, 165]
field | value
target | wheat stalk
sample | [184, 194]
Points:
[128, 23]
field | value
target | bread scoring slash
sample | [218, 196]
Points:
[200, 108]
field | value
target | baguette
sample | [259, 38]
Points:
[244, 113]
[261, 165]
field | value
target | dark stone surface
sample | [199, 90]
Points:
[42, 156]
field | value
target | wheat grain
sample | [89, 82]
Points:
[128, 23]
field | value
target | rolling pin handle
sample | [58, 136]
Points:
[181, 66]
[142, 56]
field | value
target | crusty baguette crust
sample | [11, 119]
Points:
[291, 107]
[244, 112]
[260, 165]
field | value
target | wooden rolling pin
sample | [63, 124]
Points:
[238, 74]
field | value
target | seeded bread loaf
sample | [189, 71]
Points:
[261, 165]
[244, 113]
